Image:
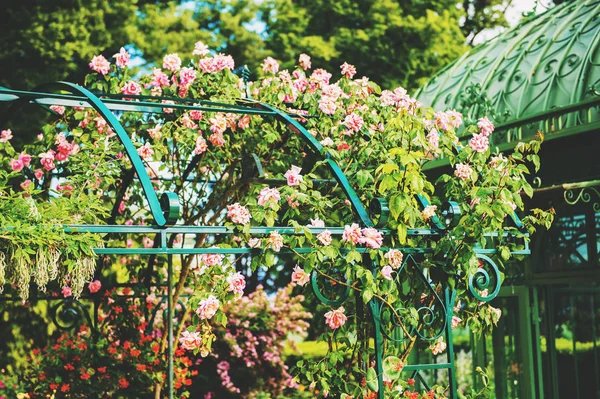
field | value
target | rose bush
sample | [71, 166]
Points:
[381, 140]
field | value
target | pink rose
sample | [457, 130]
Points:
[293, 176]
[386, 272]
[352, 233]
[316, 223]
[371, 238]
[438, 347]
[38, 173]
[275, 241]
[122, 58]
[94, 286]
[59, 109]
[190, 340]
[463, 171]
[66, 291]
[335, 318]
[353, 122]
[172, 62]
[212, 259]
[16, 165]
[479, 143]
[304, 61]
[26, 185]
[394, 258]
[148, 242]
[187, 77]
[99, 64]
[299, 276]
[25, 158]
[132, 88]
[270, 65]
[348, 70]
[455, 321]
[429, 212]
[201, 146]
[238, 214]
[269, 197]
[200, 49]
[324, 237]
[145, 151]
[237, 283]
[208, 307]
[486, 127]
[5, 136]
[160, 79]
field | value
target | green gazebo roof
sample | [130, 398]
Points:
[544, 74]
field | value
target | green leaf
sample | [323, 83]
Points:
[402, 232]
[372, 380]
[392, 366]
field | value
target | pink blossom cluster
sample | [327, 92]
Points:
[172, 62]
[24, 160]
[270, 65]
[159, 78]
[348, 70]
[131, 87]
[486, 127]
[463, 171]
[369, 236]
[438, 347]
[212, 259]
[187, 76]
[238, 214]
[145, 152]
[223, 371]
[216, 64]
[479, 143]
[398, 98]
[448, 119]
[325, 238]
[353, 122]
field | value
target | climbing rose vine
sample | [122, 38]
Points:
[382, 141]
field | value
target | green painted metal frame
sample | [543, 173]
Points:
[165, 209]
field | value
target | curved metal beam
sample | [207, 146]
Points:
[295, 126]
[165, 210]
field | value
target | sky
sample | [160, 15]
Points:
[513, 16]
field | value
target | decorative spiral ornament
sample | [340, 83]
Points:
[69, 313]
[327, 291]
[481, 280]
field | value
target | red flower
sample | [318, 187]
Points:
[53, 386]
[123, 383]
[85, 376]
[69, 366]
[42, 376]
[65, 388]
[135, 352]
[102, 370]
[411, 382]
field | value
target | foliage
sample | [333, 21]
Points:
[247, 358]
[121, 358]
[380, 140]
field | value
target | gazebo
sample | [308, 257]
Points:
[543, 76]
